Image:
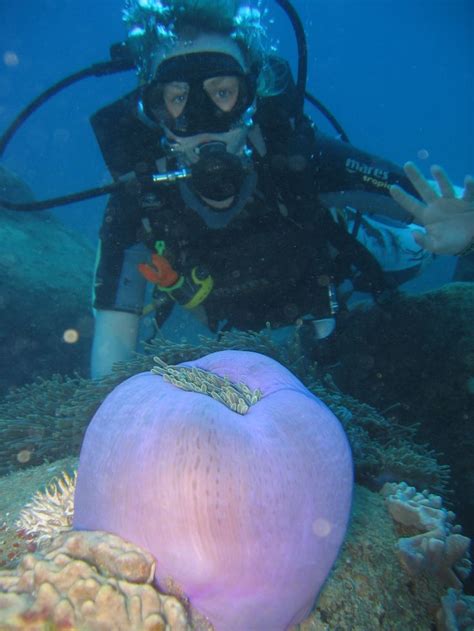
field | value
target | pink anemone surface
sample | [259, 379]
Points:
[244, 512]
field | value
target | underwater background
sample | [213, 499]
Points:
[399, 76]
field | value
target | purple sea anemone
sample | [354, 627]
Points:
[244, 510]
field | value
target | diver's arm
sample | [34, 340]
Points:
[341, 166]
[347, 176]
[119, 288]
[115, 339]
[357, 184]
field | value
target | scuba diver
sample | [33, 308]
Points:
[259, 223]
[228, 201]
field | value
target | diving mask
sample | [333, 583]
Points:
[201, 92]
[204, 101]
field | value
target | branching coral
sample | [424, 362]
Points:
[440, 549]
[456, 612]
[46, 420]
[437, 553]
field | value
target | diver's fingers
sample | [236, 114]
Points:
[445, 185]
[430, 242]
[416, 177]
[409, 203]
[468, 195]
[421, 238]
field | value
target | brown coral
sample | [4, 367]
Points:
[91, 580]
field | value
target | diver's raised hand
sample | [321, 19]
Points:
[448, 220]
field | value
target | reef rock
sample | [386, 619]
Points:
[45, 288]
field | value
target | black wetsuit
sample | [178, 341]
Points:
[273, 261]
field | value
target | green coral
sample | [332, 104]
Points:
[48, 418]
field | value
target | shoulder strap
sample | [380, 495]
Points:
[126, 141]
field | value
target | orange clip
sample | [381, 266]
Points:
[160, 272]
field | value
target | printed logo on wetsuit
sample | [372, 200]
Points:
[376, 176]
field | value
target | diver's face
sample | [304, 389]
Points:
[222, 91]
[200, 92]
[203, 96]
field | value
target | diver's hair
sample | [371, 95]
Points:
[155, 24]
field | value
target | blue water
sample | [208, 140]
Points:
[398, 74]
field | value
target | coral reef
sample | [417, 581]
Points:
[435, 552]
[440, 549]
[423, 511]
[415, 358]
[47, 419]
[16, 491]
[87, 580]
[351, 599]
[456, 612]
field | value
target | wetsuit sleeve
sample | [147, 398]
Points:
[355, 185]
[118, 285]
[345, 175]
[340, 165]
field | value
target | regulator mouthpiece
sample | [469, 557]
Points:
[217, 175]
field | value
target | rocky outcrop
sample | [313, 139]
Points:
[45, 292]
